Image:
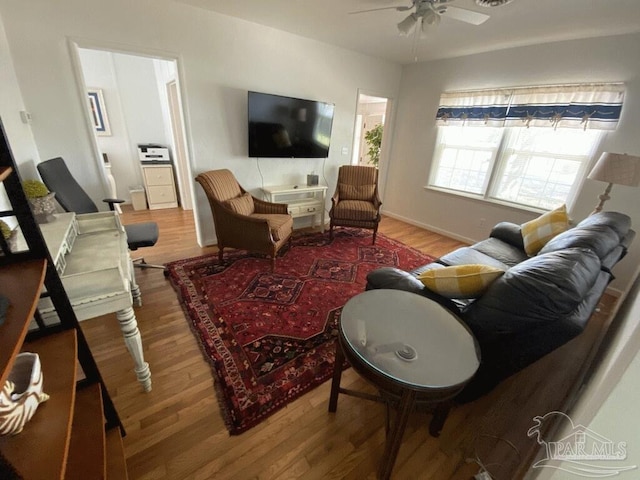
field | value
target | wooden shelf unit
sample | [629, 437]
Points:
[66, 436]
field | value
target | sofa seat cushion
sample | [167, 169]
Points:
[545, 288]
[355, 210]
[280, 225]
[503, 252]
[460, 281]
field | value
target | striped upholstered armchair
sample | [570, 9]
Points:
[355, 202]
[243, 221]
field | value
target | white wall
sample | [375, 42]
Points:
[599, 59]
[22, 145]
[219, 58]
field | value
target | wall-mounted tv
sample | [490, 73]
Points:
[285, 127]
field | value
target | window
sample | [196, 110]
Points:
[535, 167]
[527, 146]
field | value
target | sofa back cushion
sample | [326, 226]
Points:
[601, 233]
[543, 289]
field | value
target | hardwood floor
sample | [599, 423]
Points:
[176, 430]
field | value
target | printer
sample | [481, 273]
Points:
[153, 154]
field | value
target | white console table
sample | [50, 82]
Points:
[301, 200]
[91, 255]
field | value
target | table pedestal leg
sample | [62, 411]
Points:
[395, 439]
[133, 341]
[337, 375]
[439, 417]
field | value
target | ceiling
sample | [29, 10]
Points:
[519, 23]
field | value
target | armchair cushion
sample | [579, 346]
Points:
[460, 281]
[355, 192]
[537, 232]
[355, 210]
[242, 205]
[279, 225]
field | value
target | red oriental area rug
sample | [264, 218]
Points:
[270, 337]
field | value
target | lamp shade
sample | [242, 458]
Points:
[617, 168]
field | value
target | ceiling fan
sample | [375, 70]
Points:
[429, 12]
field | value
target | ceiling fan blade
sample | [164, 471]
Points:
[462, 14]
[406, 26]
[401, 8]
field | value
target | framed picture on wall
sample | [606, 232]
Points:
[98, 112]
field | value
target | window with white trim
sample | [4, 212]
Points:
[534, 167]
[527, 146]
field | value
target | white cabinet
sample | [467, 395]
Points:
[301, 200]
[160, 186]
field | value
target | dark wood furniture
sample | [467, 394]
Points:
[412, 349]
[66, 436]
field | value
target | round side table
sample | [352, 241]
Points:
[410, 348]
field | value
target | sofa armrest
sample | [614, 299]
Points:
[396, 279]
[508, 232]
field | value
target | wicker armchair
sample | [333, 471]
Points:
[243, 221]
[355, 202]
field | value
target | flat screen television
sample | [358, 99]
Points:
[285, 127]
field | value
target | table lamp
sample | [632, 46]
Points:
[615, 168]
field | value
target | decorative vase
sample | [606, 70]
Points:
[43, 208]
[21, 394]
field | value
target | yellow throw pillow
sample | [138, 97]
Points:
[242, 205]
[537, 232]
[460, 281]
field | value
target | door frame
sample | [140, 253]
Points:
[74, 44]
[387, 135]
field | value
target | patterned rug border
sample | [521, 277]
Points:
[231, 257]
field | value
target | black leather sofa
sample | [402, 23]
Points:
[540, 302]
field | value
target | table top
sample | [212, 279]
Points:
[409, 339]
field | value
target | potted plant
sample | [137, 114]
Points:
[8, 234]
[374, 140]
[40, 199]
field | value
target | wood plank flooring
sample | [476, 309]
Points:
[176, 431]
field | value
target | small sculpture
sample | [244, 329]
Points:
[21, 394]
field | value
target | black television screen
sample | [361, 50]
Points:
[286, 127]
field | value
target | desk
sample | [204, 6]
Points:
[301, 200]
[408, 346]
[91, 256]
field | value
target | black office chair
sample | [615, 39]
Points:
[70, 195]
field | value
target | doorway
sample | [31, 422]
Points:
[141, 102]
[370, 120]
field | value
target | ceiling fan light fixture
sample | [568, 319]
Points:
[492, 3]
[430, 18]
[406, 25]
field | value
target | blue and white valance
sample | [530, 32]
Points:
[596, 106]
[486, 108]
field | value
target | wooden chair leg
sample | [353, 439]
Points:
[331, 230]
[375, 232]
[220, 249]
